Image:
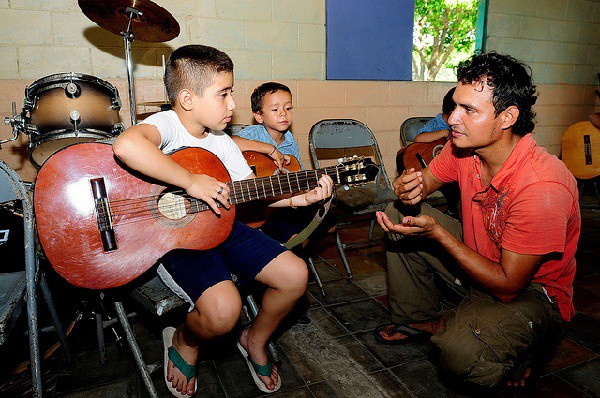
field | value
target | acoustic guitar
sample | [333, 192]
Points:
[418, 154]
[102, 224]
[254, 214]
[581, 150]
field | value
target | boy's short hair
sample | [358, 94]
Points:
[259, 93]
[194, 67]
[510, 82]
[449, 105]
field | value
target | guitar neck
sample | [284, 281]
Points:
[268, 187]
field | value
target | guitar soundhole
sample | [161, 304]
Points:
[171, 209]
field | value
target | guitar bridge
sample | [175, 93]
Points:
[103, 215]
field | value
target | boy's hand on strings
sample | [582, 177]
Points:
[322, 191]
[280, 159]
[209, 190]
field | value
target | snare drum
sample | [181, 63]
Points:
[68, 108]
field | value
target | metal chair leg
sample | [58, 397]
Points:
[135, 349]
[313, 269]
[341, 252]
[30, 272]
[62, 337]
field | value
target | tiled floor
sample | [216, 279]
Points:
[335, 355]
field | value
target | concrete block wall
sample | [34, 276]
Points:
[282, 39]
[285, 41]
[559, 39]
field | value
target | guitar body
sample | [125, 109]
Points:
[254, 214]
[410, 156]
[144, 226]
[581, 150]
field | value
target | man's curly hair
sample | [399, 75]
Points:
[510, 81]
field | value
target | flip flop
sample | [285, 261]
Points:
[412, 334]
[171, 353]
[262, 370]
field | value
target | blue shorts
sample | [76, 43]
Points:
[245, 252]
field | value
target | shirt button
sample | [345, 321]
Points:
[478, 177]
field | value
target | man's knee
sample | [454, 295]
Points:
[470, 359]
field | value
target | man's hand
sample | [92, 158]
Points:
[209, 190]
[322, 191]
[409, 187]
[422, 225]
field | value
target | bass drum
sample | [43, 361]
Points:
[67, 108]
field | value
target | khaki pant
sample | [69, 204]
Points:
[486, 338]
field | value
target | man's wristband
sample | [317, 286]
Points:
[273, 151]
[292, 203]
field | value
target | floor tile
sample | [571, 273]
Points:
[585, 331]
[360, 315]
[569, 354]
[585, 377]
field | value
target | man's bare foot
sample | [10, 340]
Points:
[188, 349]
[402, 334]
[258, 354]
[519, 382]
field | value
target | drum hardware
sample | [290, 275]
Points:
[16, 123]
[141, 19]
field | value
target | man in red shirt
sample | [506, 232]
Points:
[512, 262]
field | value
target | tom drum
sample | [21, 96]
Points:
[68, 108]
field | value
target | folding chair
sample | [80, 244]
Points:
[15, 287]
[332, 139]
[410, 129]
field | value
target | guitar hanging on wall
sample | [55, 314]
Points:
[102, 224]
[581, 149]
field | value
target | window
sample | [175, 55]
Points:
[446, 32]
[402, 39]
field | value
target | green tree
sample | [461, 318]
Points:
[443, 35]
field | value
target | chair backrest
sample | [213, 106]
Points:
[334, 138]
[410, 128]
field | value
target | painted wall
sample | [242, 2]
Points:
[284, 40]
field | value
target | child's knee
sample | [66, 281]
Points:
[219, 315]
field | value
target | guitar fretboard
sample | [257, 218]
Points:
[268, 187]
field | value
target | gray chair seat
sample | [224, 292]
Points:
[12, 292]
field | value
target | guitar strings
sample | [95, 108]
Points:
[138, 209]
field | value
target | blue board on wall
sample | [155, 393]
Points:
[369, 40]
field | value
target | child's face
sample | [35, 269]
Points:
[277, 112]
[216, 104]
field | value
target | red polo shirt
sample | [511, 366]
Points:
[531, 206]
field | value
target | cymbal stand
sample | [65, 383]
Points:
[128, 37]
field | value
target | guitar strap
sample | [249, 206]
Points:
[310, 228]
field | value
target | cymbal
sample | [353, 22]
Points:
[154, 25]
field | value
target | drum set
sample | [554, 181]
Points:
[68, 108]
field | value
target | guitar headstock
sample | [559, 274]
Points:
[356, 170]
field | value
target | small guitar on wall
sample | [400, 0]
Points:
[581, 148]
[418, 154]
[101, 224]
